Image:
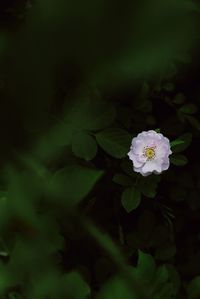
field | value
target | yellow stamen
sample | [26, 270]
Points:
[149, 152]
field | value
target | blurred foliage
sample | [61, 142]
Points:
[78, 80]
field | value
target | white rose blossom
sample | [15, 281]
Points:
[150, 152]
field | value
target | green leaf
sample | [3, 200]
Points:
[75, 286]
[84, 146]
[45, 284]
[58, 137]
[116, 256]
[154, 280]
[162, 289]
[176, 142]
[193, 121]
[73, 183]
[193, 289]
[166, 291]
[188, 109]
[157, 130]
[146, 266]
[116, 288]
[178, 160]
[52, 284]
[161, 275]
[148, 185]
[131, 198]
[122, 179]
[114, 141]
[106, 243]
[174, 277]
[181, 143]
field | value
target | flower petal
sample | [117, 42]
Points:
[138, 146]
[151, 166]
[134, 158]
[161, 146]
[139, 170]
[165, 165]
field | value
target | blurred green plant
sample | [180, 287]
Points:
[78, 80]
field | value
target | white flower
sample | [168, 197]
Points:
[150, 153]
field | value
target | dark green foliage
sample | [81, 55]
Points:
[179, 160]
[79, 80]
[194, 288]
[114, 141]
[84, 146]
[73, 183]
[131, 198]
[181, 143]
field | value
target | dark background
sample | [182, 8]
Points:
[141, 60]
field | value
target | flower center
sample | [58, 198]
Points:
[149, 152]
